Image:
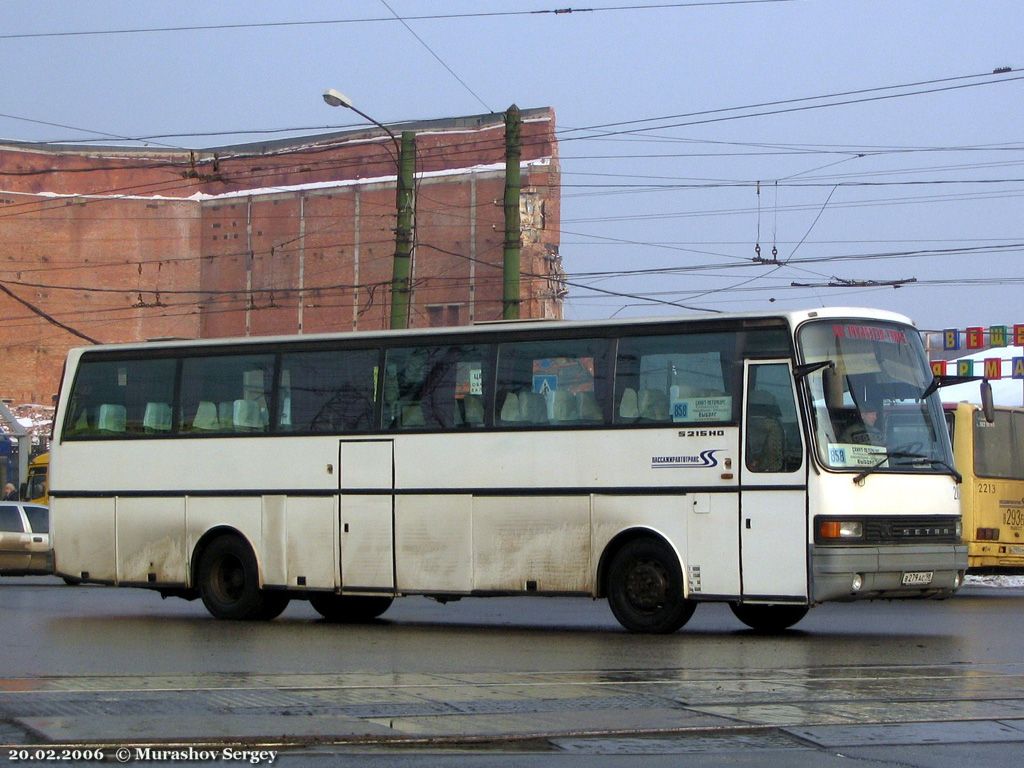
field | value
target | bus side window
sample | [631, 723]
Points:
[327, 391]
[561, 383]
[435, 388]
[112, 398]
[676, 378]
[237, 385]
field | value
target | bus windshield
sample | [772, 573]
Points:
[867, 400]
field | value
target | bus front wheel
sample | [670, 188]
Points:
[350, 609]
[769, 618]
[229, 583]
[645, 588]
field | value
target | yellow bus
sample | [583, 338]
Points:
[991, 458]
[37, 489]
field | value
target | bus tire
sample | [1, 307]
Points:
[349, 609]
[645, 588]
[274, 604]
[769, 618]
[229, 583]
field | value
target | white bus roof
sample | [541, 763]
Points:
[793, 317]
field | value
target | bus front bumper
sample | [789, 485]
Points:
[898, 571]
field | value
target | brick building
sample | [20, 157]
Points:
[292, 236]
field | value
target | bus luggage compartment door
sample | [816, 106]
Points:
[366, 487]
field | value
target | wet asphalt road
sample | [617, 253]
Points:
[512, 681]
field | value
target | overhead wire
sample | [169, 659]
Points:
[564, 11]
[163, 186]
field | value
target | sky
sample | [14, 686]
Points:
[850, 145]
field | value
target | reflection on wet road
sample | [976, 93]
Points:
[101, 666]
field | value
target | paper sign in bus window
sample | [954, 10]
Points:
[855, 455]
[700, 409]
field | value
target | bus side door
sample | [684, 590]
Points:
[367, 508]
[773, 487]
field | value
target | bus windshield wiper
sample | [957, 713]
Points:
[885, 457]
[917, 459]
[939, 462]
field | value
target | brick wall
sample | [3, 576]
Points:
[289, 237]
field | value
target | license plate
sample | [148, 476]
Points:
[917, 578]
[1013, 550]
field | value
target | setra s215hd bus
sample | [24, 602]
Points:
[659, 464]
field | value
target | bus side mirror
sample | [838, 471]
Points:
[987, 406]
[23, 491]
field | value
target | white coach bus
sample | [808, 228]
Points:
[657, 463]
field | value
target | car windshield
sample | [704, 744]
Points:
[866, 398]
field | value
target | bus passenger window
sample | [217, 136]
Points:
[238, 384]
[559, 383]
[676, 379]
[327, 391]
[435, 388]
[121, 398]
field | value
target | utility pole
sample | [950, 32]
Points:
[403, 232]
[513, 229]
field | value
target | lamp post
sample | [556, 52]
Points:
[405, 161]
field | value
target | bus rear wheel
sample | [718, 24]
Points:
[229, 583]
[645, 588]
[769, 618]
[350, 609]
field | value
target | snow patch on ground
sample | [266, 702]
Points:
[994, 581]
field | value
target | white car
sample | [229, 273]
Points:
[25, 539]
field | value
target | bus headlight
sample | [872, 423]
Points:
[840, 529]
[856, 583]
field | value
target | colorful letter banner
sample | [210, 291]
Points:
[993, 368]
[964, 367]
[974, 336]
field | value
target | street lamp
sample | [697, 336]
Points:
[335, 98]
[405, 160]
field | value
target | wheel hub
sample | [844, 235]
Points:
[647, 586]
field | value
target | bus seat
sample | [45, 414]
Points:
[510, 408]
[206, 417]
[412, 416]
[157, 417]
[653, 405]
[589, 408]
[246, 416]
[564, 408]
[111, 418]
[533, 408]
[474, 409]
[629, 409]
